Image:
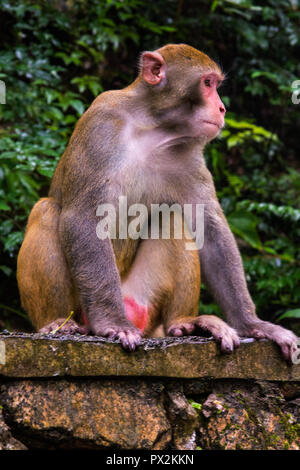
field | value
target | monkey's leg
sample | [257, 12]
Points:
[223, 273]
[149, 285]
[43, 278]
[165, 277]
[180, 320]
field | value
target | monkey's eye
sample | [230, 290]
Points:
[207, 82]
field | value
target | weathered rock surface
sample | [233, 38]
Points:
[190, 357]
[236, 416]
[7, 441]
[88, 414]
[86, 392]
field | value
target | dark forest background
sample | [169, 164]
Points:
[56, 56]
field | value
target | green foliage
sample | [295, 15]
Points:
[290, 314]
[195, 405]
[56, 56]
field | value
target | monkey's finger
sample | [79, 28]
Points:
[288, 351]
[176, 331]
[258, 334]
[44, 330]
[227, 346]
[83, 330]
[293, 351]
[234, 338]
[188, 328]
[236, 341]
[129, 340]
[225, 341]
[134, 340]
[123, 339]
[110, 334]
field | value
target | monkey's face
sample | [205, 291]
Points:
[189, 104]
[182, 95]
[208, 120]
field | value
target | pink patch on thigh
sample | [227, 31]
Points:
[137, 314]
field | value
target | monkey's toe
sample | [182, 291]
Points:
[286, 340]
[208, 325]
[128, 338]
[181, 329]
[223, 334]
[58, 327]
[227, 338]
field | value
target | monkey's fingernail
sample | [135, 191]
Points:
[132, 345]
[112, 335]
[124, 341]
[226, 348]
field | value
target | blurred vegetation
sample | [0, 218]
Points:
[56, 56]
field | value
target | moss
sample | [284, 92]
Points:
[291, 428]
[286, 445]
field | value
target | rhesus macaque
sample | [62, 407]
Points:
[145, 142]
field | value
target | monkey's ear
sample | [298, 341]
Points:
[153, 67]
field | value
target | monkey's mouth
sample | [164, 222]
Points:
[213, 124]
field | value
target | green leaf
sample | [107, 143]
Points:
[45, 172]
[289, 314]
[6, 270]
[4, 206]
[243, 224]
[13, 241]
[78, 106]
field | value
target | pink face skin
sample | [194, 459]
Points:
[210, 116]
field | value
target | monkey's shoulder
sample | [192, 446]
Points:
[111, 99]
[112, 104]
[104, 118]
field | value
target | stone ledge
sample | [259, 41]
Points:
[36, 355]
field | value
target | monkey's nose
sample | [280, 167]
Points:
[222, 109]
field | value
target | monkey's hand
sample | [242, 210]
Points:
[129, 336]
[285, 339]
[221, 332]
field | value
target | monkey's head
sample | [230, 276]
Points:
[180, 85]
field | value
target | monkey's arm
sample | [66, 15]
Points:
[80, 181]
[95, 275]
[222, 269]
[223, 272]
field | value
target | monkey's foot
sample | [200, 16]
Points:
[221, 332]
[285, 339]
[69, 328]
[129, 337]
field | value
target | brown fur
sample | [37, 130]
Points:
[45, 286]
[145, 142]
